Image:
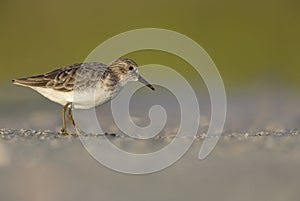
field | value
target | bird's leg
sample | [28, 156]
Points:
[64, 125]
[70, 117]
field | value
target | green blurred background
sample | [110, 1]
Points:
[250, 41]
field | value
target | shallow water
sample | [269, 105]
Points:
[257, 157]
[251, 168]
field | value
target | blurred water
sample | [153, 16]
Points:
[242, 166]
[248, 110]
[258, 168]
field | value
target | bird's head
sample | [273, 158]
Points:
[127, 70]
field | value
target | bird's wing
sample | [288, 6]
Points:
[68, 78]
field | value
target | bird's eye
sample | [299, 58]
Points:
[130, 68]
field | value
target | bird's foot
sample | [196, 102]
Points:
[64, 131]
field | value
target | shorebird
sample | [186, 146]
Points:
[84, 85]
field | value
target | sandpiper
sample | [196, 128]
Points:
[84, 85]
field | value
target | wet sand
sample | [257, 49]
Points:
[257, 157]
[44, 165]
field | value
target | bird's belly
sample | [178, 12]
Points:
[54, 95]
[91, 98]
[81, 99]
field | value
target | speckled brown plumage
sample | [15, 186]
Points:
[68, 78]
[84, 85]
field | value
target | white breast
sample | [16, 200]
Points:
[81, 99]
